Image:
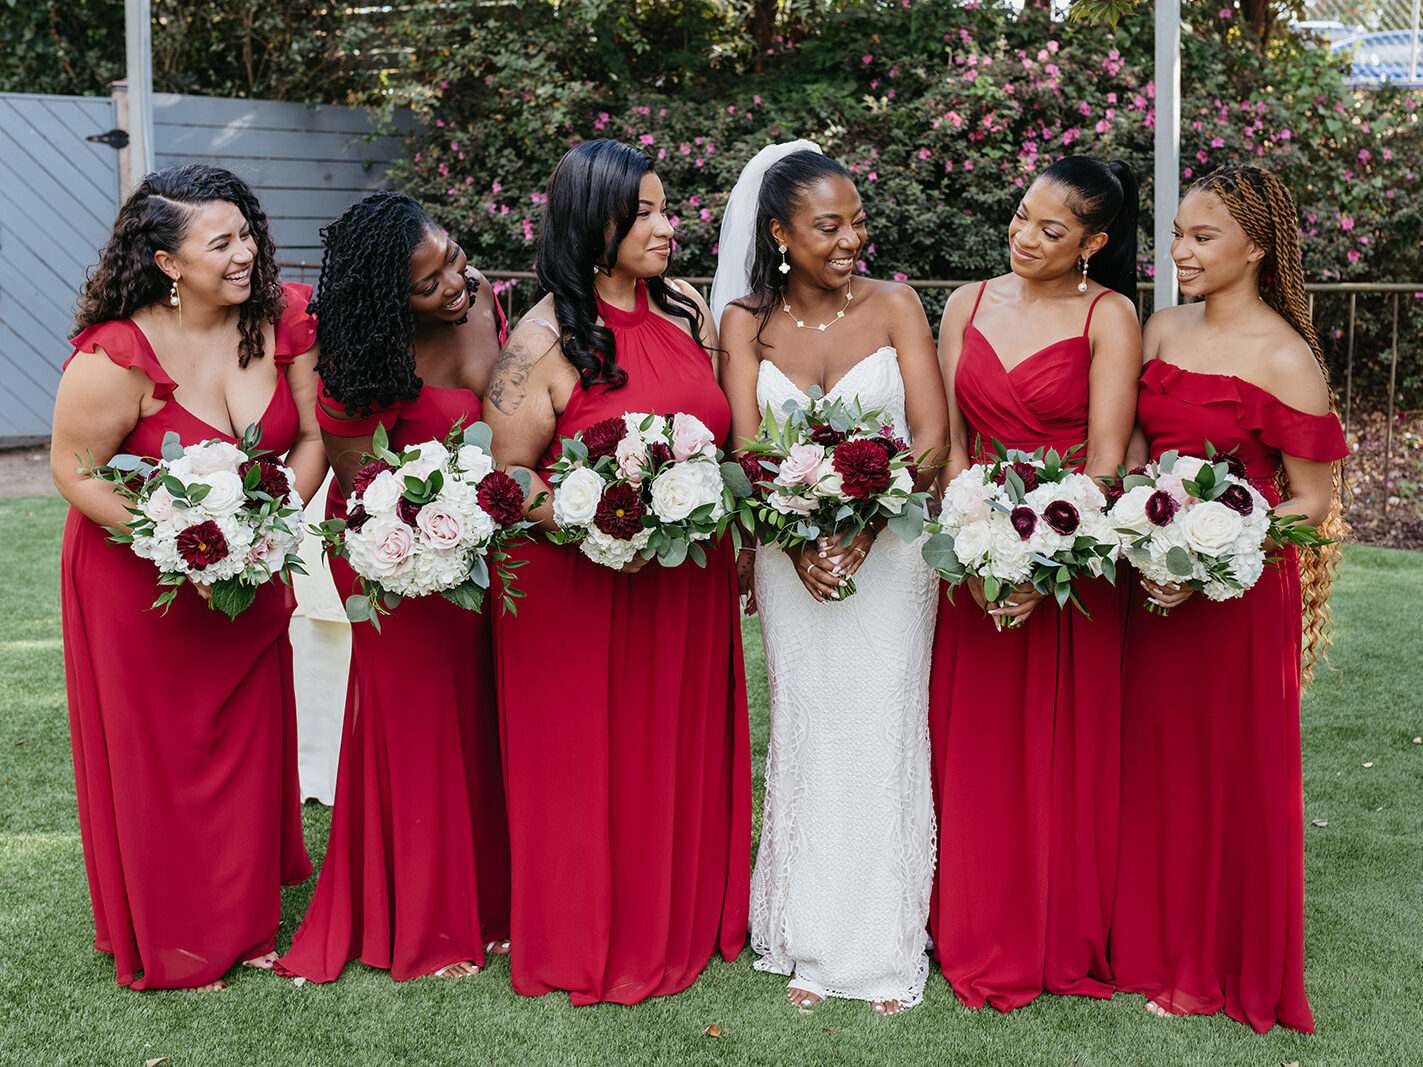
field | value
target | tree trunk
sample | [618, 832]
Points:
[763, 28]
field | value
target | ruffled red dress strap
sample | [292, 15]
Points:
[332, 416]
[125, 344]
[1297, 433]
[296, 328]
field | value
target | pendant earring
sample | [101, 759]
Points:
[174, 300]
[784, 268]
[1082, 285]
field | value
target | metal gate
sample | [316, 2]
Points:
[58, 196]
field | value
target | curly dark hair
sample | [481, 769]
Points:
[594, 186]
[155, 218]
[364, 323]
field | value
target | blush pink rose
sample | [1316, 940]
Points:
[801, 465]
[690, 437]
[392, 548]
[440, 525]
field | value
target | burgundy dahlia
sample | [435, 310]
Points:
[1161, 508]
[892, 445]
[827, 436]
[601, 439]
[1233, 463]
[1137, 470]
[273, 480]
[500, 496]
[1237, 498]
[1023, 520]
[202, 545]
[408, 511]
[1062, 517]
[367, 474]
[659, 455]
[863, 468]
[620, 512]
[751, 467]
[1026, 471]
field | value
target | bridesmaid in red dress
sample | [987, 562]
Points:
[1024, 699]
[416, 874]
[183, 722]
[621, 695]
[1209, 907]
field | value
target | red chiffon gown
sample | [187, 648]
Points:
[183, 724]
[626, 752]
[1025, 732]
[416, 873]
[1209, 907]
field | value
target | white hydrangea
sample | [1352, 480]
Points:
[611, 551]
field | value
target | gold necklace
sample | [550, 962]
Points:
[824, 325]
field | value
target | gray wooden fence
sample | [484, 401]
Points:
[59, 193]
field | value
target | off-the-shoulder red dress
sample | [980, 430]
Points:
[626, 753]
[183, 724]
[1209, 911]
[1025, 727]
[416, 872]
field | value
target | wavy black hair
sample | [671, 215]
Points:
[364, 323]
[591, 206]
[156, 217]
[1104, 198]
[782, 192]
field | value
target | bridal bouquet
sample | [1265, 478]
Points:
[219, 514]
[429, 519]
[1026, 517]
[644, 484]
[831, 470]
[1189, 521]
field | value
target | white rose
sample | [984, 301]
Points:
[383, 494]
[430, 457]
[656, 426]
[224, 494]
[213, 457]
[1210, 528]
[575, 501]
[828, 481]
[691, 437]
[903, 483]
[475, 462]
[159, 506]
[676, 492]
[972, 542]
[1186, 468]
[1129, 511]
[791, 505]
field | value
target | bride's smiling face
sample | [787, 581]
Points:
[826, 232]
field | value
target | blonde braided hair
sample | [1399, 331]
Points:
[1263, 207]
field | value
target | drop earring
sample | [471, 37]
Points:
[174, 300]
[784, 268]
[1082, 285]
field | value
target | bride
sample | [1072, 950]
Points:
[840, 894]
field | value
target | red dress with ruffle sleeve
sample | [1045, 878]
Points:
[416, 872]
[183, 723]
[1209, 911]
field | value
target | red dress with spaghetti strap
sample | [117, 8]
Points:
[1024, 725]
[626, 752]
[183, 724]
[1209, 910]
[416, 872]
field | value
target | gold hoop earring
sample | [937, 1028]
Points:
[1082, 285]
[784, 268]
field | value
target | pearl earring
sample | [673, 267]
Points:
[1082, 285]
[785, 268]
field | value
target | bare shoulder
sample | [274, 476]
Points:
[1114, 316]
[1289, 371]
[1167, 322]
[738, 325]
[523, 364]
[959, 307]
[689, 290]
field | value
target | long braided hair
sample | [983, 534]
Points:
[155, 218]
[1263, 207]
[365, 325]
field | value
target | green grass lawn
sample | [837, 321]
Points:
[59, 1003]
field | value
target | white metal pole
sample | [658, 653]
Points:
[1168, 144]
[1413, 46]
[138, 46]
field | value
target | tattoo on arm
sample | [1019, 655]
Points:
[508, 386]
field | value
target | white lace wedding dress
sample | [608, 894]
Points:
[840, 893]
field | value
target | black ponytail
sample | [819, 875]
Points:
[1104, 197]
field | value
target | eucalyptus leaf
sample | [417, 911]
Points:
[1178, 562]
[480, 434]
[172, 447]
